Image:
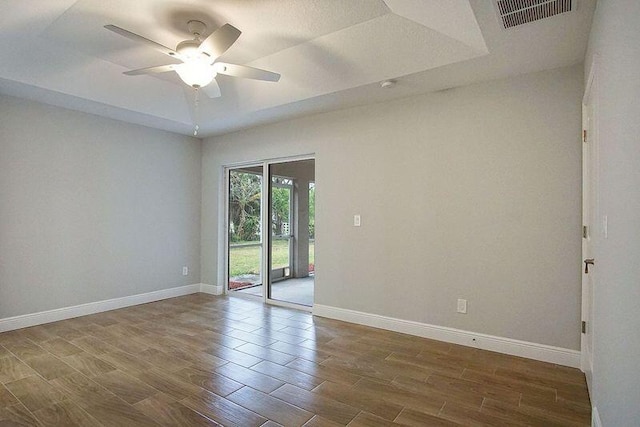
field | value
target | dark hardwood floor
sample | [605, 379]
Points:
[204, 360]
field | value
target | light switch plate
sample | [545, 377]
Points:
[356, 220]
[462, 306]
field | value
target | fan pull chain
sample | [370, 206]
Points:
[196, 108]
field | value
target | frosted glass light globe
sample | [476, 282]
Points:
[196, 73]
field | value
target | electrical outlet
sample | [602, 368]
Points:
[185, 271]
[462, 306]
[356, 220]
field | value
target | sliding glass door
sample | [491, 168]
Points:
[271, 222]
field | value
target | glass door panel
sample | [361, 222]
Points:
[245, 231]
[291, 238]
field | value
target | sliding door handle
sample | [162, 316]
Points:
[587, 263]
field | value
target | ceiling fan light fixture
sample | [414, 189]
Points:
[198, 68]
[196, 73]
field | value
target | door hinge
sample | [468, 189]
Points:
[584, 231]
[584, 135]
[584, 327]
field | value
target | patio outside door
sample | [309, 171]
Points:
[281, 227]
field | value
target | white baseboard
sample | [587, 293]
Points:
[595, 418]
[211, 289]
[545, 353]
[33, 319]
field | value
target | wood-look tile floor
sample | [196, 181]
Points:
[204, 360]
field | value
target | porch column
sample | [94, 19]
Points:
[301, 228]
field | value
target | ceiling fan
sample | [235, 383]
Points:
[199, 67]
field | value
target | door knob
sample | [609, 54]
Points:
[587, 263]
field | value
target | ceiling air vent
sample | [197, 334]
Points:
[518, 12]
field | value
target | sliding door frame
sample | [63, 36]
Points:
[265, 211]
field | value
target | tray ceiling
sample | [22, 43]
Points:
[331, 54]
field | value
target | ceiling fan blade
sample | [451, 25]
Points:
[151, 70]
[212, 90]
[220, 40]
[137, 38]
[245, 72]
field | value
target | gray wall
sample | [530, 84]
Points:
[92, 208]
[468, 193]
[615, 39]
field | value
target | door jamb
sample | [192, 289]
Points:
[589, 179]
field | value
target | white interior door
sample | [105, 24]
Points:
[589, 218]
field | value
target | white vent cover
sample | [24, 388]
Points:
[518, 12]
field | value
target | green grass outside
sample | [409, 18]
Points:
[246, 260]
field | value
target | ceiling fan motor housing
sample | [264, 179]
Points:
[189, 49]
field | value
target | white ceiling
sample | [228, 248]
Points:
[331, 54]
